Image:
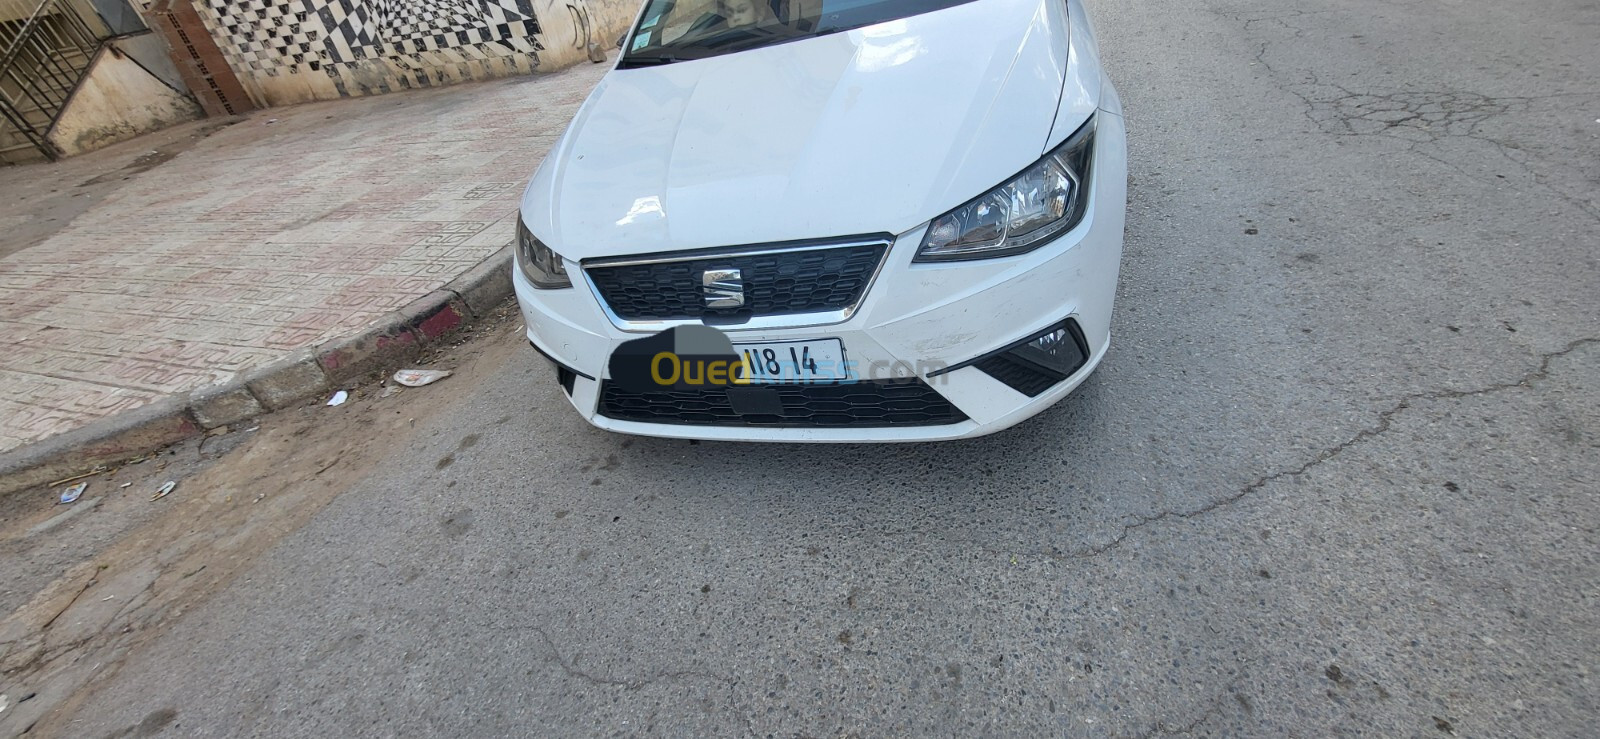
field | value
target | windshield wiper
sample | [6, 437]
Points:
[722, 42]
[649, 60]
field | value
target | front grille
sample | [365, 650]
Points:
[860, 405]
[775, 282]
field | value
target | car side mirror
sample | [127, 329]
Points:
[623, 39]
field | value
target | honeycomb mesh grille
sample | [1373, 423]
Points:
[1022, 378]
[775, 283]
[860, 405]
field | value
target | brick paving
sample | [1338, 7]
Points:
[292, 227]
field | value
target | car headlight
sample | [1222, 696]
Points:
[1043, 202]
[542, 266]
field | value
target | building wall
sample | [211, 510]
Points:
[148, 50]
[118, 100]
[569, 27]
[289, 51]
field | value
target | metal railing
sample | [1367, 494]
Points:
[44, 52]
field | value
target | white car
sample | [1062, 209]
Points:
[905, 215]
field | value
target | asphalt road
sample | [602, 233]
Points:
[1337, 475]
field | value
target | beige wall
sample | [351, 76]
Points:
[117, 101]
[566, 29]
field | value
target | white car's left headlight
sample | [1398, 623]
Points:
[1025, 213]
[540, 264]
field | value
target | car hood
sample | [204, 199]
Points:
[874, 130]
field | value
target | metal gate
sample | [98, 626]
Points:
[46, 47]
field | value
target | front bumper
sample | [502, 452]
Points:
[913, 320]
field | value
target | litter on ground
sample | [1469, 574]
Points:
[71, 495]
[419, 377]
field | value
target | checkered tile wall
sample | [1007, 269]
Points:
[271, 37]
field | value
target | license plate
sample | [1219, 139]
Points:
[794, 362]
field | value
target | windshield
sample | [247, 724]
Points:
[678, 30]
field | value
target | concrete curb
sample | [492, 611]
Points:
[308, 373]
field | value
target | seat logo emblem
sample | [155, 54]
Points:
[724, 288]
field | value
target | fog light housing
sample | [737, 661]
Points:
[1039, 362]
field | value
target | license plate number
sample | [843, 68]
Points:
[794, 362]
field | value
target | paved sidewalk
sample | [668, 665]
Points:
[290, 228]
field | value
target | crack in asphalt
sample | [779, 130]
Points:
[1161, 728]
[48, 655]
[69, 605]
[1278, 17]
[1418, 117]
[572, 670]
[1385, 421]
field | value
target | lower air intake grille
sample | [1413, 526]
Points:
[1021, 377]
[858, 405]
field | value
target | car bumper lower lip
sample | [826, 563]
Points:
[915, 320]
[586, 395]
